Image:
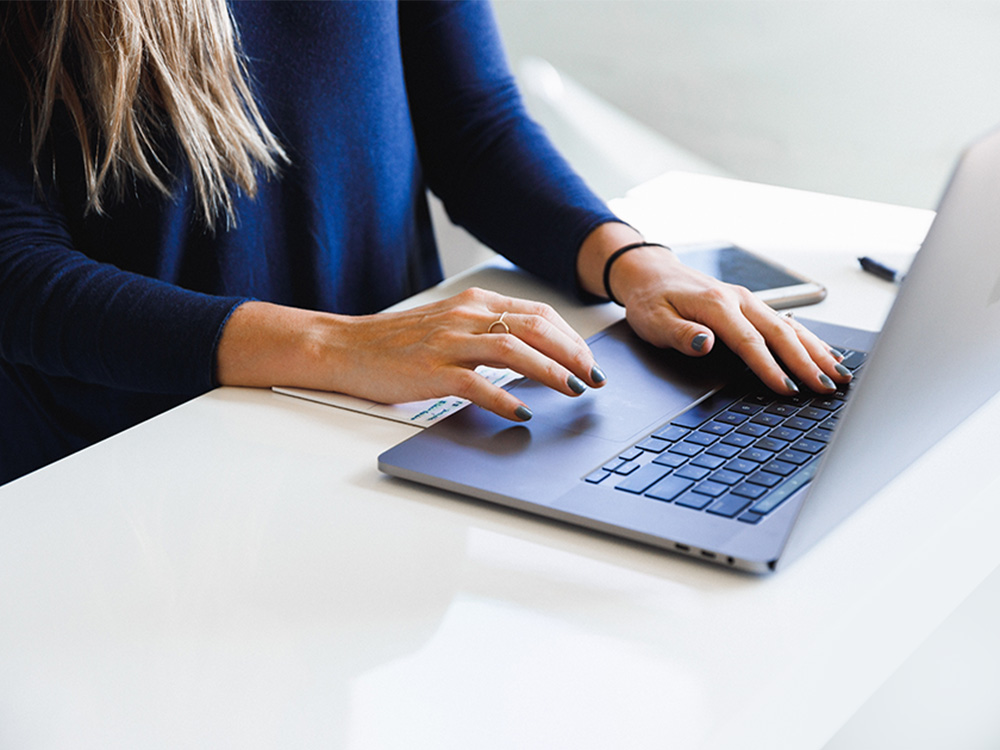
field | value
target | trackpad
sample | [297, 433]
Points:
[645, 387]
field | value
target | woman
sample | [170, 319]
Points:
[194, 194]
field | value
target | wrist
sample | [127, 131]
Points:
[595, 251]
[615, 256]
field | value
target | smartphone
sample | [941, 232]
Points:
[776, 285]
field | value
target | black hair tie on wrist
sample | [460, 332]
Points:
[615, 256]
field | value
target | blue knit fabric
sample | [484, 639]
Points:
[106, 320]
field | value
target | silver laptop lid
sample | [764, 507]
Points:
[936, 361]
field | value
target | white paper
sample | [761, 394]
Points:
[419, 413]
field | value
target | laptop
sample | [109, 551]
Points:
[696, 457]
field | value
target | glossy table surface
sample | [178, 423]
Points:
[237, 573]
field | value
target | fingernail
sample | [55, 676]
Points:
[698, 342]
[836, 355]
[791, 386]
[576, 385]
[825, 381]
[843, 371]
[597, 374]
[523, 413]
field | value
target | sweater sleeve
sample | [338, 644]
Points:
[64, 314]
[494, 168]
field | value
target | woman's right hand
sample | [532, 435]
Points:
[427, 352]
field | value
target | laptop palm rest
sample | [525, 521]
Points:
[645, 386]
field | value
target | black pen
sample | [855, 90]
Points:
[880, 269]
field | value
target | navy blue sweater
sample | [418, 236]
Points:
[108, 320]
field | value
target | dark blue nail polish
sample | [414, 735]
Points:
[523, 413]
[698, 342]
[597, 374]
[576, 385]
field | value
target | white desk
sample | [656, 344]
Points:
[236, 572]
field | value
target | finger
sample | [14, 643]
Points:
[799, 350]
[547, 312]
[665, 327]
[748, 342]
[544, 330]
[470, 385]
[822, 354]
[546, 336]
[510, 351]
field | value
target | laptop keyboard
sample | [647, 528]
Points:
[736, 454]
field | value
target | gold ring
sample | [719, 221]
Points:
[499, 322]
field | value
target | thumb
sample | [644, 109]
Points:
[676, 332]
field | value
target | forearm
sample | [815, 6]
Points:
[265, 344]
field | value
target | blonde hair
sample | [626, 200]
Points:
[134, 72]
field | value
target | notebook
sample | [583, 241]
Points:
[694, 456]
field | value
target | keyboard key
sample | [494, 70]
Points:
[746, 407]
[613, 464]
[643, 479]
[794, 457]
[694, 500]
[764, 479]
[786, 433]
[779, 467]
[827, 404]
[768, 420]
[800, 423]
[738, 439]
[701, 438]
[729, 506]
[853, 360]
[630, 454]
[757, 455]
[716, 428]
[596, 477]
[673, 460]
[770, 444]
[671, 433]
[723, 450]
[731, 417]
[626, 468]
[811, 412]
[653, 445]
[752, 491]
[782, 409]
[669, 488]
[695, 473]
[710, 461]
[708, 487]
[750, 517]
[685, 448]
[725, 476]
[741, 466]
[809, 446]
[820, 434]
[753, 430]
